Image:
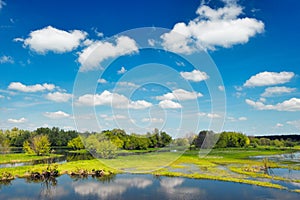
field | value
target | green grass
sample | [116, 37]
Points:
[219, 164]
[21, 157]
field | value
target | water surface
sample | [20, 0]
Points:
[130, 186]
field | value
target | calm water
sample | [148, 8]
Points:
[286, 173]
[129, 186]
[67, 157]
[294, 157]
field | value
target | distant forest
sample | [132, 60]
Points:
[294, 138]
[119, 139]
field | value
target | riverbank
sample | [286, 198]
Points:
[232, 165]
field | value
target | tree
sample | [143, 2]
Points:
[165, 139]
[76, 143]
[181, 142]
[106, 149]
[101, 146]
[39, 145]
[205, 139]
[4, 143]
[232, 139]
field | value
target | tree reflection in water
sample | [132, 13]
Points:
[5, 183]
[48, 186]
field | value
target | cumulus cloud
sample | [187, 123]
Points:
[270, 91]
[102, 80]
[213, 115]
[221, 88]
[56, 115]
[6, 59]
[242, 118]
[232, 119]
[269, 78]
[52, 39]
[127, 84]
[292, 105]
[112, 99]
[91, 57]
[169, 104]
[17, 121]
[212, 28]
[122, 70]
[30, 88]
[179, 94]
[153, 120]
[209, 115]
[194, 75]
[59, 96]
[279, 125]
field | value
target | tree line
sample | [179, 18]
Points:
[107, 142]
[40, 140]
[207, 139]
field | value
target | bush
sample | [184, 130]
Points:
[76, 143]
[38, 145]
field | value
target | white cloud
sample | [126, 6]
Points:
[17, 121]
[292, 105]
[122, 70]
[127, 84]
[2, 97]
[112, 99]
[279, 125]
[242, 118]
[212, 28]
[56, 115]
[213, 115]
[269, 78]
[59, 96]
[262, 99]
[151, 42]
[6, 59]
[30, 88]
[102, 80]
[180, 64]
[221, 88]
[232, 119]
[92, 56]
[169, 104]
[179, 94]
[194, 75]
[52, 39]
[270, 91]
[153, 120]
[238, 88]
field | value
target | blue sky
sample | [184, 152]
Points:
[52, 52]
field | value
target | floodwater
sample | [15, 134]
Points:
[291, 157]
[67, 157]
[133, 186]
